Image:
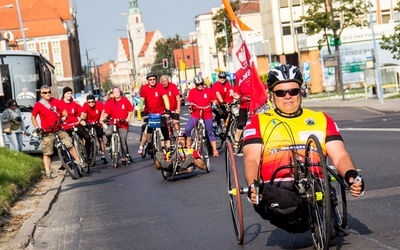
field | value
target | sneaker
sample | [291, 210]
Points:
[103, 158]
[49, 175]
[160, 158]
[128, 158]
[83, 165]
[124, 163]
[188, 161]
[140, 151]
[61, 168]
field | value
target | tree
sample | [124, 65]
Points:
[331, 17]
[222, 15]
[164, 48]
[107, 85]
[392, 42]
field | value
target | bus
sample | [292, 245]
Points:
[22, 74]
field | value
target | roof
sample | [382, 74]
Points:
[39, 17]
[248, 7]
[125, 45]
[149, 37]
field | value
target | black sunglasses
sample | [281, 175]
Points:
[46, 92]
[14, 105]
[222, 77]
[90, 102]
[282, 93]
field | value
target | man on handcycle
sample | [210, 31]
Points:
[269, 138]
[191, 158]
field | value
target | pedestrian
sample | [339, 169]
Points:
[13, 116]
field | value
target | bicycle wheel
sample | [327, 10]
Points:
[219, 136]
[318, 198]
[205, 153]
[93, 151]
[235, 200]
[338, 196]
[70, 166]
[83, 155]
[114, 150]
[232, 129]
[144, 150]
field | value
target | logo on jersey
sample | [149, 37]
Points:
[310, 121]
[249, 132]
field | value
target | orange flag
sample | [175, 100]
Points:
[235, 21]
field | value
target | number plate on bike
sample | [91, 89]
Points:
[154, 120]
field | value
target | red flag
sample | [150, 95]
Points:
[245, 69]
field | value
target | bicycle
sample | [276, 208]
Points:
[93, 142]
[115, 145]
[226, 128]
[79, 145]
[313, 183]
[200, 140]
[72, 168]
[153, 121]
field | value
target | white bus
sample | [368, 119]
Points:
[22, 74]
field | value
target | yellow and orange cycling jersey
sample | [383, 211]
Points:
[183, 152]
[280, 134]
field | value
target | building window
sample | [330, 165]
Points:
[44, 50]
[295, 2]
[55, 46]
[58, 69]
[31, 47]
[286, 29]
[284, 3]
[385, 18]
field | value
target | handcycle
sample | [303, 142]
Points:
[68, 162]
[79, 145]
[318, 186]
[153, 121]
[200, 140]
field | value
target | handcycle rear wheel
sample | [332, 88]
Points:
[318, 194]
[234, 192]
[338, 196]
[70, 166]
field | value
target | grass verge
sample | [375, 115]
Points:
[18, 171]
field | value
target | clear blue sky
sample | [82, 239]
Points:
[99, 20]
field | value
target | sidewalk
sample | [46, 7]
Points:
[388, 105]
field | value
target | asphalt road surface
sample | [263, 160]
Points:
[135, 208]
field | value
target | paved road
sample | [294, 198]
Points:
[134, 208]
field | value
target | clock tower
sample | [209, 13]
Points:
[136, 28]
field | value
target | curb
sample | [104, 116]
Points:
[25, 234]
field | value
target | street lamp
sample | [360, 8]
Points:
[21, 25]
[226, 41]
[89, 84]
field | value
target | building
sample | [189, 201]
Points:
[48, 27]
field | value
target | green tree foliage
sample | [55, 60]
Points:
[164, 48]
[331, 17]
[107, 85]
[222, 16]
[392, 42]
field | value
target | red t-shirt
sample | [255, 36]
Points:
[48, 117]
[153, 98]
[224, 91]
[201, 98]
[119, 109]
[74, 110]
[244, 90]
[172, 92]
[93, 113]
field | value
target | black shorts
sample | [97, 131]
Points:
[175, 116]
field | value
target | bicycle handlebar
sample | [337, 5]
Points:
[200, 107]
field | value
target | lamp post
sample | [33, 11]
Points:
[194, 57]
[377, 70]
[89, 83]
[226, 42]
[21, 24]
[267, 32]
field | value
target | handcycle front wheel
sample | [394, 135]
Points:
[318, 195]
[234, 193]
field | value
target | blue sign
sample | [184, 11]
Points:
[306, 66]
[306, 72]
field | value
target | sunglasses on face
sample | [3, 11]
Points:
[223, 77]
[46, 92]
[90, 102]
[282, 93]
[14, 105]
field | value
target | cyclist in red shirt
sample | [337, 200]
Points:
[119, 108]
[174, 98]
[155, 99]
[201, 98]
[224, 94]
[92, 111]
[49, 112]
[75, 117]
